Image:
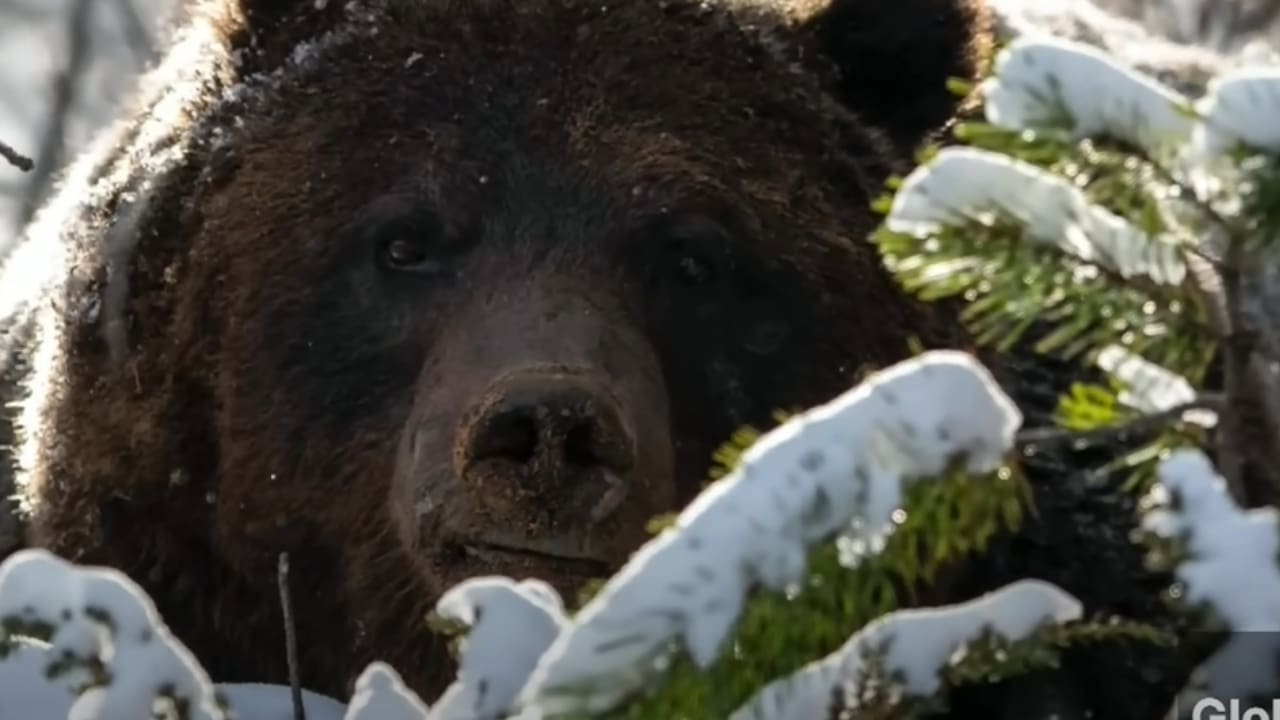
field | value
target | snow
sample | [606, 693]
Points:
[917, 644]
[380, 694]
[98, 618]
[261, 701]
[961, 183]
[800, 484]
[1041, 83]
[512, 625]
[1229, 549]
[1240, 108]
[1149, 387]
[38, 588]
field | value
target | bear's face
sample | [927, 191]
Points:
[499, 289]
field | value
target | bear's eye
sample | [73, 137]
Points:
[690, 269]
[408, 238]
[694, 253]
[408, 254]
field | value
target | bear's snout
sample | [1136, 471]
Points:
[548, 433]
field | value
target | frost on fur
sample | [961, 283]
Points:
[511, 626]
[102, 632]
[839, 468]
[913, 646]
[1227, 561]
[961, 184]
[1049, 83]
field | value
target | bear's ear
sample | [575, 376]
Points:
[893, 58]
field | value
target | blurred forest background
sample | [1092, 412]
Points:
[66, 66]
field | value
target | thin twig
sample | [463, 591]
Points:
[1142, 424]
[16, 159]
[290, 638]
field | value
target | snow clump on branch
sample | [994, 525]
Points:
[916, 645]
[103, 631]
[960, 184]
[511, 626]
[1228, 563]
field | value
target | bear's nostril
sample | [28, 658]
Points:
[507, 436]
[579, 446]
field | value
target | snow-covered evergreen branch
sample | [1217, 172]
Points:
[1047, 83]
[960, 184]
[102, 633]
[912, 647]
[1226, 560]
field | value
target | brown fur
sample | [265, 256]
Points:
[273, 394]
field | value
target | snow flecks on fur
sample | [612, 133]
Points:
[511, 625]
[1151, 388]
[913, 647]
[961, 184]
[98, 617]
[1045, 83]
[380, 694]
[1230, 565]
[800, 484]
[360, 20]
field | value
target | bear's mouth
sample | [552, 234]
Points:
[564, 555]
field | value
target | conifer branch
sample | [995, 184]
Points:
[1138, 425]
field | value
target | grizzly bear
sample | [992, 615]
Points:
[416, 290]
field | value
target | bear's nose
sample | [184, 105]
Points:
[545, 426]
